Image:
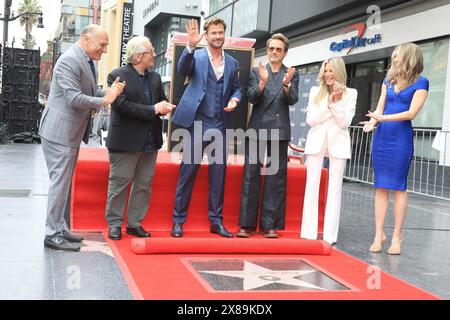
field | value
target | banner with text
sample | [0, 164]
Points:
[127, 30]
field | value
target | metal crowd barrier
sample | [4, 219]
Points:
[429, 173]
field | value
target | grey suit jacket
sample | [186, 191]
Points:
[271, 106]
[73, 95]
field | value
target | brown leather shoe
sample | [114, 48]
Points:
[270, 233]
[245, 232]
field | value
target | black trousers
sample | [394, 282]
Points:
[273, 202]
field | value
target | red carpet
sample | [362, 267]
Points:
[90, 185]
[190, 276]
[171, 277]
[220, 245]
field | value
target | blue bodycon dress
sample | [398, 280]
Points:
[393, 148]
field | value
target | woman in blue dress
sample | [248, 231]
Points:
[403, 95]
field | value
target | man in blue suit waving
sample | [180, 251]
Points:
[213, 90]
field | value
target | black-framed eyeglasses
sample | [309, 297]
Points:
[278, 50]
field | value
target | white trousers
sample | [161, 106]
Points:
[314, 164]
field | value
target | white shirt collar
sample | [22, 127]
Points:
[221, 68]
[210, 55]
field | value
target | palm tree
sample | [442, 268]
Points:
[30, 44]
[29, 20]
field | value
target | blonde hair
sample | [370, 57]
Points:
[214, 21]
[411, 66]
[339, 72]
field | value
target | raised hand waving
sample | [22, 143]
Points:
[194, 36]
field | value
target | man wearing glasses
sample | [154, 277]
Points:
[134, 138]
[272, 89]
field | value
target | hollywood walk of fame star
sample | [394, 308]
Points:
[96, 246]
[255, 276]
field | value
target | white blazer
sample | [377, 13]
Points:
[330, 126]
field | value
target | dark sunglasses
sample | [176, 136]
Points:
[278, 50]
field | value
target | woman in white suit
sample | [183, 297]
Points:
[330, 110]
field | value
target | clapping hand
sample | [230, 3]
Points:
[338, 90]
[114, 91]
[118, 86]
[375, 116]
[368, 126]
[232, 105]
[164, 107]
[194, 36]
[288, 76]
[263, 73]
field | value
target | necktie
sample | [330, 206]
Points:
[87, 133]
[91, 63]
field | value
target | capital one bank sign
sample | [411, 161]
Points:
[360, 40]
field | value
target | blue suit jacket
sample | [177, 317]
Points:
[195, 66]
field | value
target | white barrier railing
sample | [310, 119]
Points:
[429, 173]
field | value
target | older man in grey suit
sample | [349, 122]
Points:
[73, 96]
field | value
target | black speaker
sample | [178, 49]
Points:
[25, 76]
[26, 58]
[20, 90]
[21, 117]
[25, 94]
[23, 111]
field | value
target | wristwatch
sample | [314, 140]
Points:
[287, 85]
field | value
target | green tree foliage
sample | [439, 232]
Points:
[29, 21]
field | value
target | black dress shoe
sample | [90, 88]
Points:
[138, 232]
[71, 237]
[177, 230]
[115, 233]
[220, 230]
[58, 242]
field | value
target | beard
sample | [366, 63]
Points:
[216, 44]
[273, 59]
